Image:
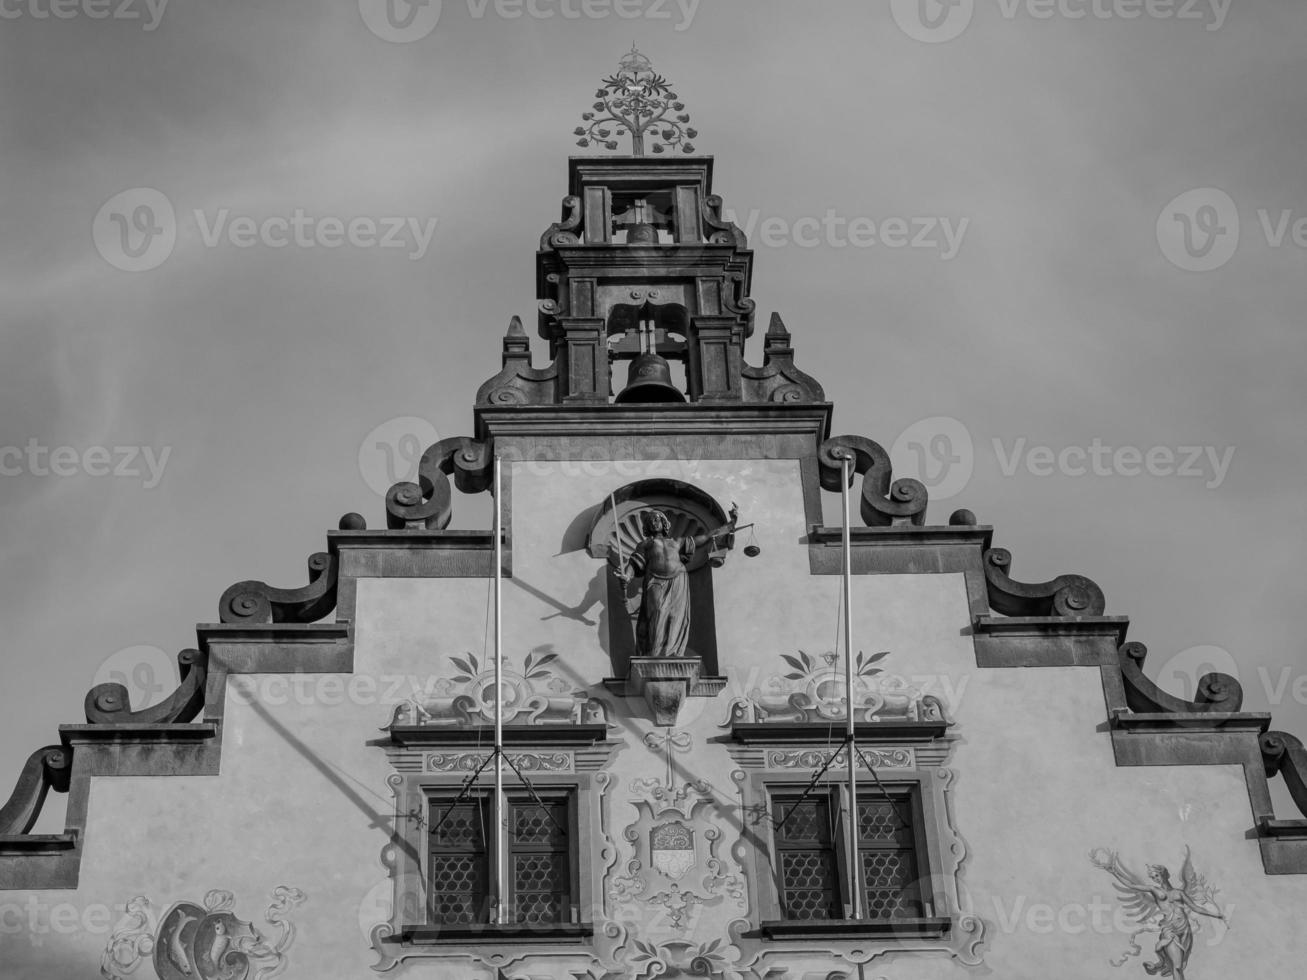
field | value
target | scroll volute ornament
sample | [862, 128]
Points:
[1216, 692]
[257, 602]
[428, 503]
[1284, 754]
[1066, 595]
[884, 502]
[108, 704]
[47, 768]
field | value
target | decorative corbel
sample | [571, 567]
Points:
[564, 231]
[108, 704]
[1216, 692]
[47, 768]
[718, 229]
[257, 602]
[1066, 595]
[1283, 754]
[519, 383]
[883, 503]
[429, 502]
[778, 380]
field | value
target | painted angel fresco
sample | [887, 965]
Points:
[1157, 905]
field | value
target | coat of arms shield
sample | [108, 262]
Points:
[671, 848]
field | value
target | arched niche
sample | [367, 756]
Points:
[617, 530]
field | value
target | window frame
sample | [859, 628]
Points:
[414, 906]
[915, 786]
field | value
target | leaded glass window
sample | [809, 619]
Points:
[811, 854]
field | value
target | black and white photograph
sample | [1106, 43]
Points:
[635, 489]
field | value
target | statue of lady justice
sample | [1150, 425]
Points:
[663, 629]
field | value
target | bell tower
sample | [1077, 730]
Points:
[642, 268]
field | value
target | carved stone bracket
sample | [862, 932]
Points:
[429, 502]
[519, 383]
[778, 380]
[565, 230]
[47, 768]
[1283, 843]
[258, 602]
[107, 704]
[1216, 692]
[665, 683]
[883, 502]
[1283, 755]
[1066, 595]
[719, 230]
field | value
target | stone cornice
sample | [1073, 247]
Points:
[667, 421]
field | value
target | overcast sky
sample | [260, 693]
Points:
[974, 228]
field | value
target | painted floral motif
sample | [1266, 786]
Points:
[1157, 905]
[813, 689]
[194, 941]
[533, 695]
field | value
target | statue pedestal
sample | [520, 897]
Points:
[665, 683]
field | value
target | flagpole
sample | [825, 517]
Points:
[850, 745]
[499, 812]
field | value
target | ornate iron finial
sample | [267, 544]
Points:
[639, 101]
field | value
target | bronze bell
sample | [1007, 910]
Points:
[641, 233]
[650, 380]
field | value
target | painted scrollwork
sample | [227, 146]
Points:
[428, 503]
[1283, 754]
[108, 704]
[257, 602]
[201, 941]
[47, 768]
[1066, 595]
[884, 501]
[1216, 691]
[676, 867]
